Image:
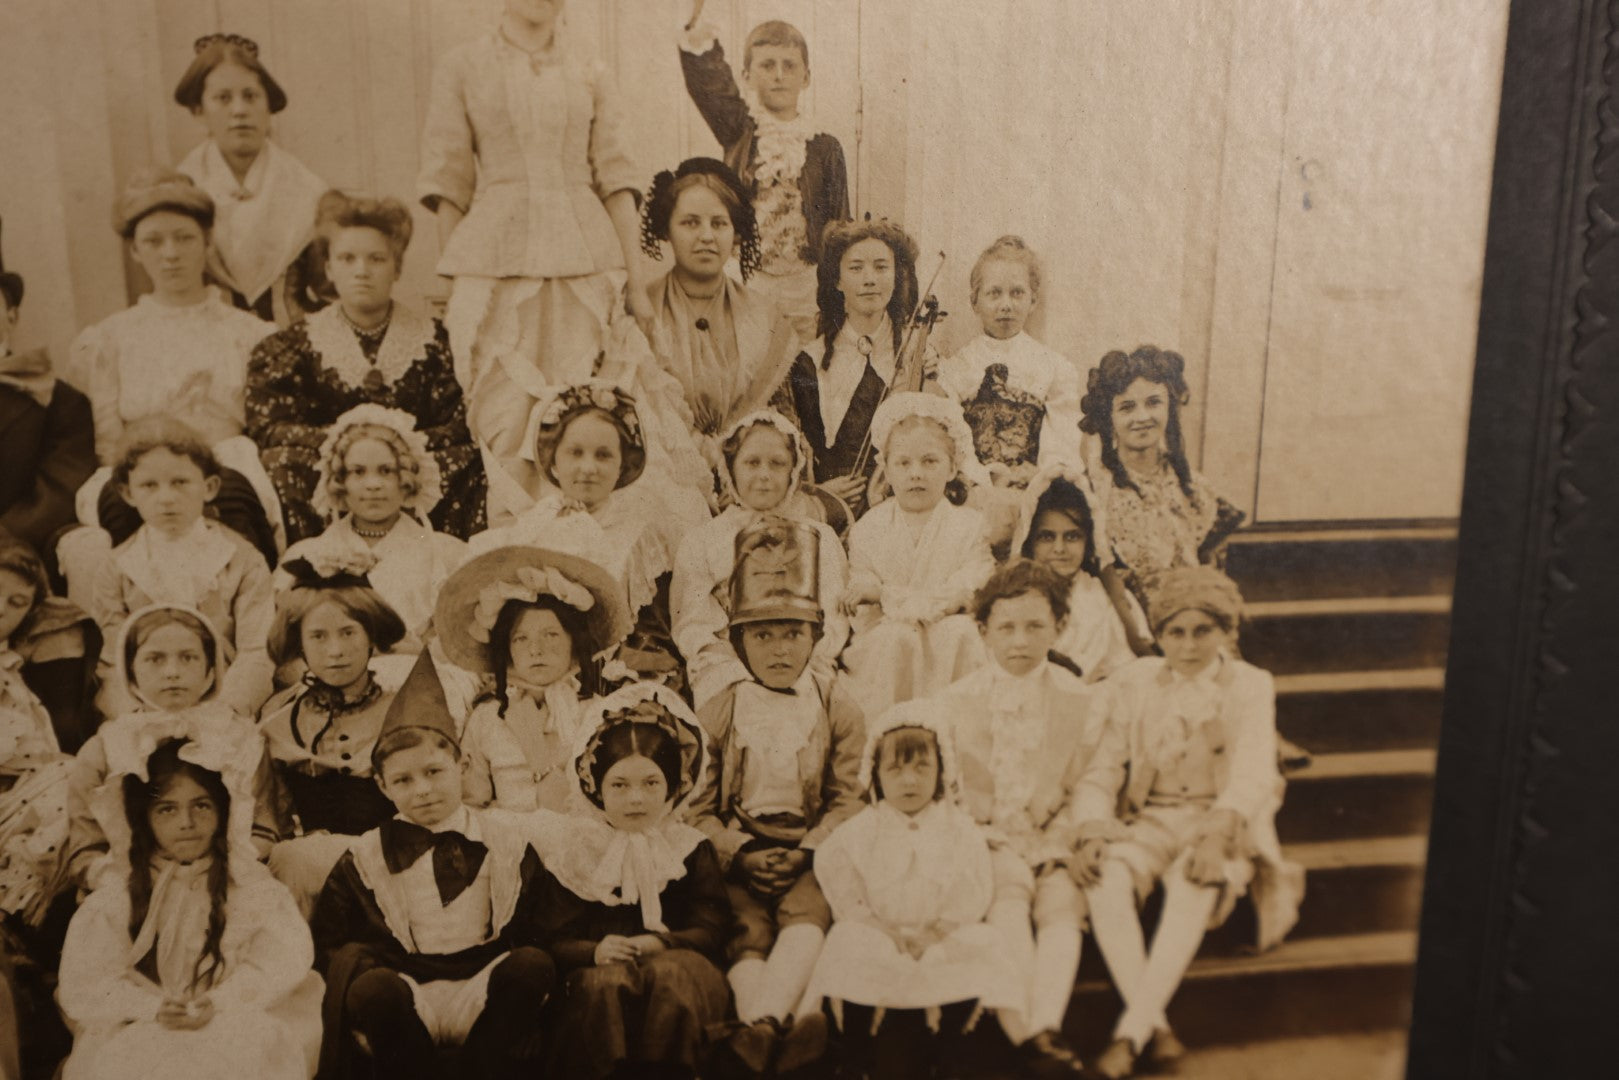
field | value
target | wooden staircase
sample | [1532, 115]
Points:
[1353, 622]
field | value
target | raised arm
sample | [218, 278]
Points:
[712, 87]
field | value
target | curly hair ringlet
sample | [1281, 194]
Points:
[1110, 378]
[658, 210]
[337, 468]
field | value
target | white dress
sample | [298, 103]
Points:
[266, 1021]
[189, 363]
[927, 567]
[1094, 637]
[887, 875]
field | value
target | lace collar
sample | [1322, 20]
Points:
[335, 342]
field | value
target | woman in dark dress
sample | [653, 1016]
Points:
[365, 348]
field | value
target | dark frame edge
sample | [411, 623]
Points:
[1507, 942]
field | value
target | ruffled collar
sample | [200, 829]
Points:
[1019, 734]
[616, 868]
[330, 699]
[331, 336]
[781, 146]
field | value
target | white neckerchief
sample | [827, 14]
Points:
[561, 702]
[177, 571]
[1191, 702]
[262, 221]
[176, 924]
[608, 866]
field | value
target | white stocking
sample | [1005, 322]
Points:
[1011, 919]
[1187, 907]
[1056, 963]
[1116, 926]
[787, 971]
[747, 980]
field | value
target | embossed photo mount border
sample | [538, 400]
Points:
[1518, 970]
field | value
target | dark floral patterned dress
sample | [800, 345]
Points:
[301, 379]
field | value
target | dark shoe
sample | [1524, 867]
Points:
[1048, 1056]
[804, 1042]
[1163, 1052]
[755, 1044]
[1117, 1061]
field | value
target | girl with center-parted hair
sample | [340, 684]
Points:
[910, 963]
[537, 623]
[764, 464]
[728, 346]
[866, 292]
[378, 481]
[170, 661]
[632, 904]
[364, 349]
[916, 558]
[266, 197]
[1060, 524]
[189, 960]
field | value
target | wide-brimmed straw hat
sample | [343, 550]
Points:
[472, 598]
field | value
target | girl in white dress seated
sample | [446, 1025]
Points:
[910, 883]
[916, 558]
[191, 961]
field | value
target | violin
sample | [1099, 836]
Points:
[910, 360]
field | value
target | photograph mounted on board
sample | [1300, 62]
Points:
[729, 537]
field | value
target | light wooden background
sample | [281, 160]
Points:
[1291, 193]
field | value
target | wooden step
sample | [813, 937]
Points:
[1280, 564]
[1295, 637]
[1378, 793]
[1328, 712]
[1371, 885]
[1313, 986]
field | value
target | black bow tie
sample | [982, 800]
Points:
[456, 860]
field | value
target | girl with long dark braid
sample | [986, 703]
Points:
[193, 961]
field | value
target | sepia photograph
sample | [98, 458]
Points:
[729, 538]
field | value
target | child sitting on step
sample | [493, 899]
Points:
[424, 930]
[1026, 734]
[1189, 752]
[785, 750]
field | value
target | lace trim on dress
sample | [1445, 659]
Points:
[332, 338]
